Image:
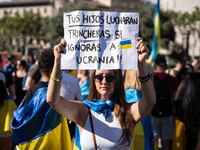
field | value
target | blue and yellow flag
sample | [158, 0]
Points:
[77, 144]
[143, 132]
[156, 34]
[36, 125]
[72, 72]
[125, 44]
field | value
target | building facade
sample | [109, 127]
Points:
[46, 8]
[123, 5]
[49, 8]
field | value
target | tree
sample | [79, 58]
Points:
[189, 23]
[20, 27]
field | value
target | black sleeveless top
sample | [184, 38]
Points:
[18, 89]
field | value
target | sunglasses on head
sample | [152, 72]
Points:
[109, 78]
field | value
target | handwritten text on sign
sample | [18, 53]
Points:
[100, 40]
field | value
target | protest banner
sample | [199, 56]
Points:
[100, 40]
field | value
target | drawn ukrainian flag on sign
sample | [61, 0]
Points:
[156, 34]
[125, 44]
[36, 125]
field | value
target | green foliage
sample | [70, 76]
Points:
[28, 25]
[19, 27]
[185, 19]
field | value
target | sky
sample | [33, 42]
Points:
[153, 1]
[4, 0]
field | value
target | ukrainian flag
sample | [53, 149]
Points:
[156, 34]
[143, 131]
[72, 72]
[125, 44]
[77, 144]
[36, 125]
[6, 114]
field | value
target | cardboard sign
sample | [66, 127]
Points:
[100, 40]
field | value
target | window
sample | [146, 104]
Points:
[45, 10]
[136, 6]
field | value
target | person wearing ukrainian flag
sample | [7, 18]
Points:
[7, 106]
[105, 121]
[35, 124]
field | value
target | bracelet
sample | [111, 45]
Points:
[56, 80]
[143, 81]
[145, 77]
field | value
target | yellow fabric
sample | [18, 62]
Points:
[75, 147]
[127, 46]
[6, 115]
[179, 140]
[57, 139]
[138, 137]
[72, 73]
[156, 145]
[157, 31]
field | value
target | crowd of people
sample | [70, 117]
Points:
[43, 107]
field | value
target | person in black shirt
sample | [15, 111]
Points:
[45, 63]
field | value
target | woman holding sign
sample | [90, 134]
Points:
[105, 121]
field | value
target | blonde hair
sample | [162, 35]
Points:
[132, 80]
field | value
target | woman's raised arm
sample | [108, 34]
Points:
[73, 110]
[142, 108]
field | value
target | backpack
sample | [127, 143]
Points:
[163, 106]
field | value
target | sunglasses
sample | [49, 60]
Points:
[109, 78]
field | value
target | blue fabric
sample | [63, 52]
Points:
[77, 138]
[148, 132]
[9, 69]
[36, 115]
[24, 80]
[85, 90]
[132, 95]
[101, 105]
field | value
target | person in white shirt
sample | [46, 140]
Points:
[114, 120]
